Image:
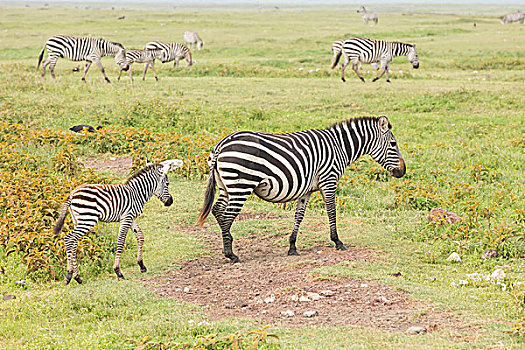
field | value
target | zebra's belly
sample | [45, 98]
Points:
[271, 191]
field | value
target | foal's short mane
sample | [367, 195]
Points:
[141, 172]
[357, 121]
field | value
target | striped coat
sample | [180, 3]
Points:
[337, 49]
[171, 52]
[142, 56]
[513, 17]
[81, 49]
[286, 167]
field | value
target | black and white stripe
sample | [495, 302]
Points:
[285, 167]
[89, 204]
[81, 49]
[171, 52]
[370, 50]
[513, 17]
[141, 56]
[337, 49]
[368, 16]
[192, 38]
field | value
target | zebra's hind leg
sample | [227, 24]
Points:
[152, 65]
[328, 192]
[384, 68]
[71, 242]
[343, 67]
[299, 215]
[355, 67]
[219, 206]
[125, 223]
[140, 244]
[99, 65]
[88, 64]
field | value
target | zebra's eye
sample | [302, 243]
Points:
[393, 143]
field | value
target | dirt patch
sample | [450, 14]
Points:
[270, 286]
[115, 164]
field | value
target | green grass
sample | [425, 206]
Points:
[459, 121]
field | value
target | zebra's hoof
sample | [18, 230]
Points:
[107, 79]
[78, 279]
[375, 79]
[68, 278]
[142, 267]
[344, 80]
[293, 252]
[388, 80]
[233, 258]
[340, 246]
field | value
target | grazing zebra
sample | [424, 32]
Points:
[141, 56]
[171, 51]
[367, 16]
[337, 49]
[192, 38]
[81, 49]
[285, 167]
[89, 204]
[513, 17]
[370, 50]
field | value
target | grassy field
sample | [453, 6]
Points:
[459, 120]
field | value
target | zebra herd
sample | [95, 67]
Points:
[277, 167]
[92, 50]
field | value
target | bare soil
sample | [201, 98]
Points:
[268, 282]
[116, 164]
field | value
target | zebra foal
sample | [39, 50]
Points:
[367, 16]
[81, 49]
[171, 52]
[192, 38]
[513, 17]
[370, 50]
[89, 204]
[141, 56]
[285, 167]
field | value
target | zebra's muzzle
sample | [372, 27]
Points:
[399, 171]
[126, 68]
[416, 66]
[168, 202]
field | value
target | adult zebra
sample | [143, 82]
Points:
[285, 167]
[370, 50]
[513, 17]
[81, 49]
[337, 49]
[192, 38]
[89, 204]
[367, 16]
[142, 56]
[171, 52]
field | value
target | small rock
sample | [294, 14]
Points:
[364, 285]
[240, 303]
[430, 278]
[204, 323]
[264, 312]
[498, 275]
[462, 282]
[395, 274]
[441, 216]
[314, 296]
[294, 298]
[270, 299]
[303, 298]
[186, 289]
[288, 313]
[327, 293]
[385, 300]
[489, 254]
[416, 330]
[21, 282]
[8, 297]
[310, 313]
[454, 257]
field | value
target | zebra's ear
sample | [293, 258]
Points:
[148, 163]
[171, 164]
[414, 46]
[384, 124]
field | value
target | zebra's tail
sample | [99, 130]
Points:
[210, 193]
[40, 57]
[62, 216]
[336, 58]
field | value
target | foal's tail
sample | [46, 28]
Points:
[210, 192]
[40, 57]
[336, 58]
[62, 216]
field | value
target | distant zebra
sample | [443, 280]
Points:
[171, 52]
[367, 16]
[81, 49]
[192, 38]
[370, 50]
[286, 167]
[337, 49]
[513, 17]
[89, 204]
[142, 56]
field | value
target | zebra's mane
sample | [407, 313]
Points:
[141, 172]
[357, 121]
[112, 43]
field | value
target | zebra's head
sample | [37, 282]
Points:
[199, 45]
[120, 59]
[385, 150]
[162, 189]
[361, 9]
[412, 57]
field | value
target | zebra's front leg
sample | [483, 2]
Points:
[152, 65]
[146, 65]
[99, 65]
[384, 68]
[328, 192]
[44, 65]
[125, 224]
[355, 67]
[140, 244]
[88, 64]
[299, 215]
[176, 64]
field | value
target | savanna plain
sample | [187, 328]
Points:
[459, 121]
